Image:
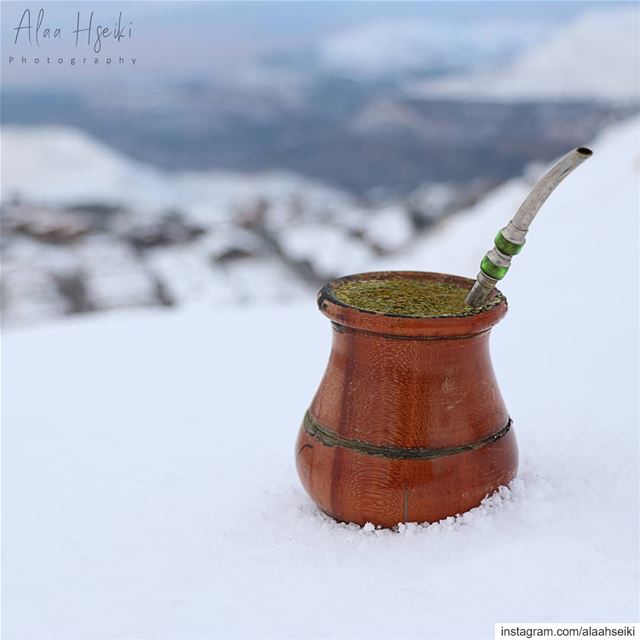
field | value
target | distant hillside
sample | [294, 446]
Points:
[595, 58]
[369, 139]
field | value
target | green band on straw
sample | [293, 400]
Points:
[506, 247]
[493, 270]
[503, 249]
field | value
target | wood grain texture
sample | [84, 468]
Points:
[413, 383]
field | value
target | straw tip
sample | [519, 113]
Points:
[584, 151]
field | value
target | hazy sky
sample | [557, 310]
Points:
[196, 37]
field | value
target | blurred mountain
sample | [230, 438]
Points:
[597, 57]
[371, 140]
[268, 178]
[339, 110]
[85, 229]
[391, 48]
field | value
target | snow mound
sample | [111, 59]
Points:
[101, 175]
[595, 58]
[53, 154]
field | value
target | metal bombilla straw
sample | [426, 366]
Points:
[510, 239]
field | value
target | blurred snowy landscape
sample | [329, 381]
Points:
[125, 234]
[586, 64]
[161, 340]
[89, 226]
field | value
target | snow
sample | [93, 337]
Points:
[101, 175]
[337, 251]
[245, 214]
[390, 229]
[54, 154]
[594, 58]
[148, 469]
[110, 273]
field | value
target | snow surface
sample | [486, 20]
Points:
[149, 487]
[597, 57]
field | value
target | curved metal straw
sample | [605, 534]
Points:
[511, 239]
